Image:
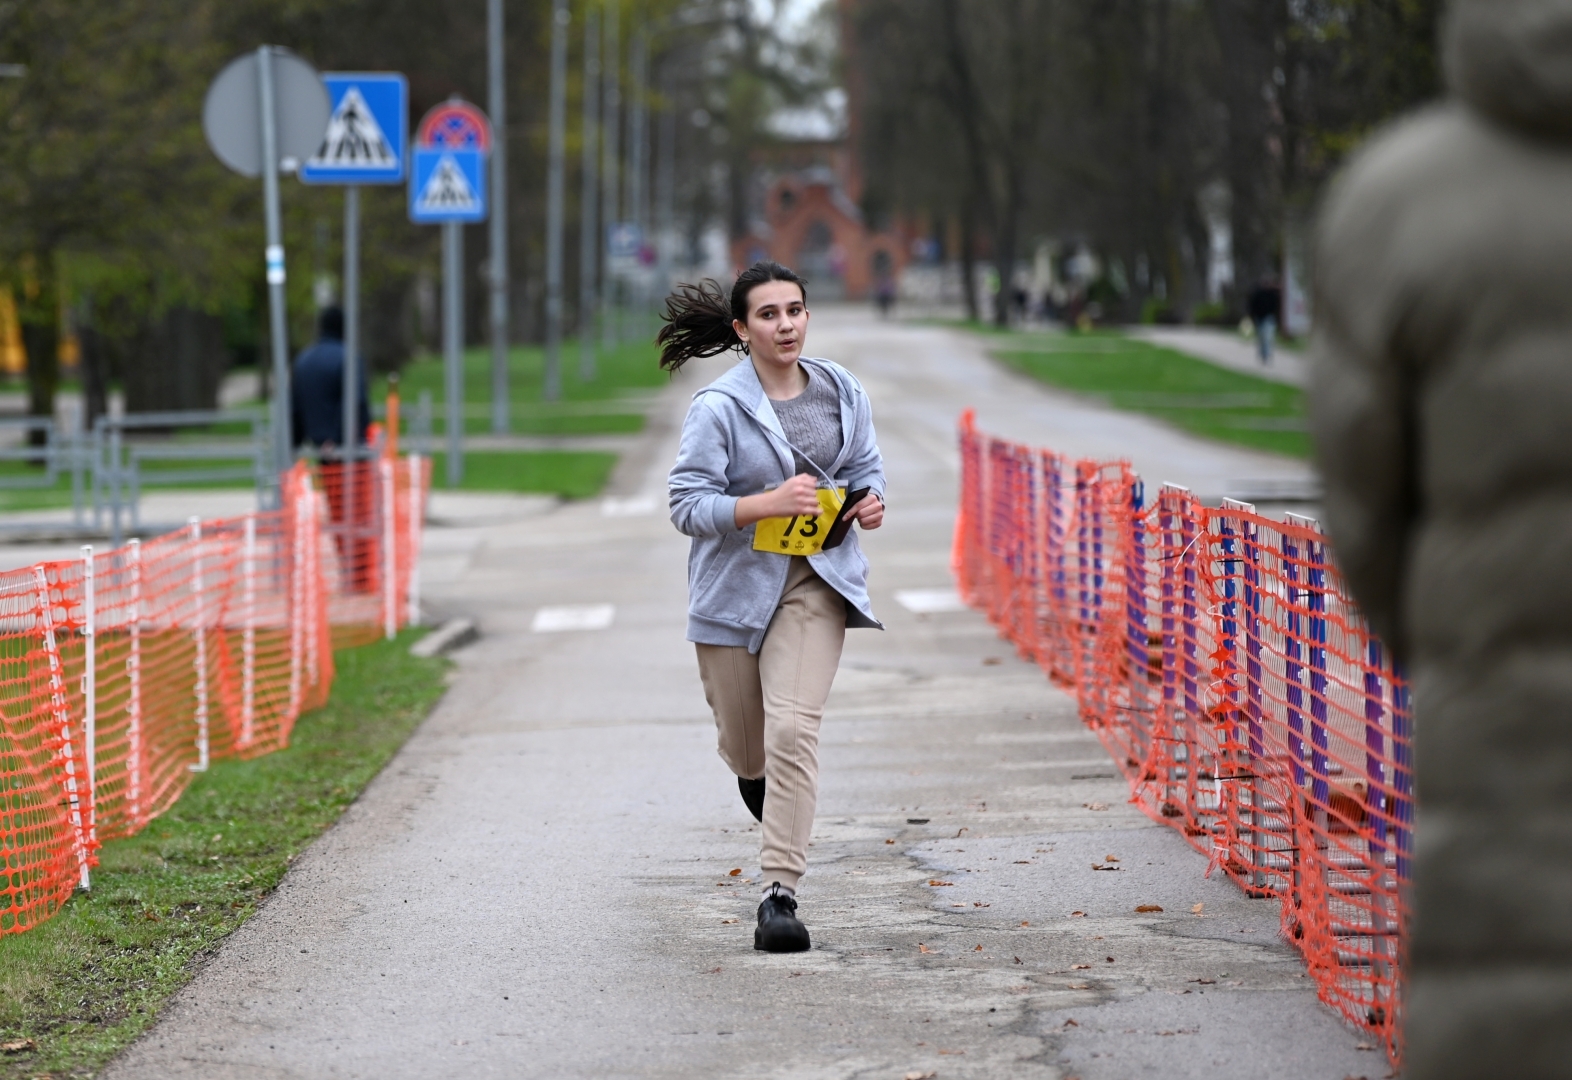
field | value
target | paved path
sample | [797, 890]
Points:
[540, 884]
[1227, 349]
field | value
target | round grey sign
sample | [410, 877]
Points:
[232, 118]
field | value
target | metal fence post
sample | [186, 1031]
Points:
[199, 636]
[90, 691]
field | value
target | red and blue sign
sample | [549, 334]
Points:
[455, 125]
[448, 180]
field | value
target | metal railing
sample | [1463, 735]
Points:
[123, 465]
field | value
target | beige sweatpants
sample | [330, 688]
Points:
[768, 707]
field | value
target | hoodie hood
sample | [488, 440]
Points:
[1512, 61]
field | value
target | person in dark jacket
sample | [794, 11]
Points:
[1440, 394]
[317, 404]
[317, 388]
[1265, 305]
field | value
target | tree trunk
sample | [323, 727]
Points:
[178, 364]
[969, 262]
[39, 314]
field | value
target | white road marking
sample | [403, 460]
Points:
[930, 601]
[552, 620]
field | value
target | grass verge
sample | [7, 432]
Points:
[597, 406]
[84, 984]
[1192, 394]
[573, 474]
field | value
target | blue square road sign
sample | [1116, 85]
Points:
[447, 185]
[367, 140]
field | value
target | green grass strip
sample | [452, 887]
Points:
[598, 406]
[87, 982]
[573, 474]
[1191, 394]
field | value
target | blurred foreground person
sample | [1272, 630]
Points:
[316, 390]
[1441, 399]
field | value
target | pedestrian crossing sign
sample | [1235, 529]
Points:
[447, 184]
[368, 134]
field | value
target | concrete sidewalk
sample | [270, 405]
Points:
[541, 883]
[1227, 349]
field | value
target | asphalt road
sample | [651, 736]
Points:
[542, 883]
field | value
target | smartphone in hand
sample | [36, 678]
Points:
[843, 521]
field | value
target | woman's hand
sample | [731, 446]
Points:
[797, 497]
[869, 511]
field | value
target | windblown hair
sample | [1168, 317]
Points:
[699, 318]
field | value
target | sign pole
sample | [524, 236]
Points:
[589, 232]
[352, 436]
[453, 344]
[499, 223]
[610, 140]
[554, 197]
[278, 323]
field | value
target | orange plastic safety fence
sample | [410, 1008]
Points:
[125, 672]
[1220, 660]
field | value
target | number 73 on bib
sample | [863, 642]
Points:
[800, 535]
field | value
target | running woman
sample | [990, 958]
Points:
[769, 451]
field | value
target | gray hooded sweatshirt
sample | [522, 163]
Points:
[1442, 409]
[733, 445]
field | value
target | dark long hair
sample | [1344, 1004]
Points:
[698, 318]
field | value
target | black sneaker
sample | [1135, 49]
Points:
[779, 928]
[753, 796]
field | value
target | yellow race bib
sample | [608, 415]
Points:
[800, 535]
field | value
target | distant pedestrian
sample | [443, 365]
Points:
[317, 404]
[769, 451]
[1265, 305]
[884, 294]
[1440, 397]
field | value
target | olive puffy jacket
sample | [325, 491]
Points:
[1441, 400]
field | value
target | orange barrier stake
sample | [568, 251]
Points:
[1219, 658]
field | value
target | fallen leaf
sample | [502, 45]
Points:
[977, 949]
[1110, 959]
[1110, 858]
[1143, 908]
[889, 841]
[1095, 805]
[1025, 923]
[1071, 1023]
[1101, 866]
[920, 1076]
[1023, 862]
[1197, 909]
[1079, 986]
[959, 903]
[727, 922]
[923, 948]
[979, 903]
[1077, 914]
[1080, 967]
[937, 884]
[1205, 982]
[1018, 960]
[991, 661]
[18, 1046]
[735, 872]
[955, 1052]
